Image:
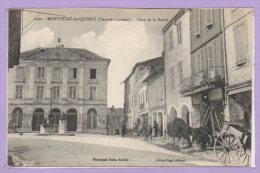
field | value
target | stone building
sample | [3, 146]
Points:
[178, 67]
[239, 59]
[50, 82]
[115, 118]
[136, 101]
[207, 65]
[155, 97]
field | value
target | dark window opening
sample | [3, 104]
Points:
[93, 73]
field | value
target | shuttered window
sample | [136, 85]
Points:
[40, 72]
[55, 92]
[180, 71]
[19, 92]
[171, 46]
[211, 56]
[179, 32]
[172, 77]
[93, 93]
[197, 21]
[57, 73]
[198, 63]
[240, 43]
[72, 92]
[209, 17]
[20, 73]
[39, 92]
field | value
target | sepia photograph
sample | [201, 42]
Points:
[129, 87]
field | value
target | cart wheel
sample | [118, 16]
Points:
[245, 157]
[227, 147]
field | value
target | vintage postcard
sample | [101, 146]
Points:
[110, 87]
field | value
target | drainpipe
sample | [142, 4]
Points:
[225, 61]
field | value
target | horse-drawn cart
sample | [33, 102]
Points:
[231, 141]
[232, 144]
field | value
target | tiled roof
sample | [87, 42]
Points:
[152, 63]
[82, 53]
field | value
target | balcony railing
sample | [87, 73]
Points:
[141, 106]
[213, 77]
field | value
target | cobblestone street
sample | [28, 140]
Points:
[93, 150]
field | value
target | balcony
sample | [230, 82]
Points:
[211, 77]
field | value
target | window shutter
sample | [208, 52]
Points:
[198, 63]
[209, 15]
[211, 60]
[197, 22]
[240, 44]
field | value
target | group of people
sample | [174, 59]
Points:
[148, 133]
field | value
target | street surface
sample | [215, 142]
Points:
[87, 150]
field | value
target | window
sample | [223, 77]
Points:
[39, 92]
[198, 63]
[20, 73]
[211, 57]
[180, 71]
[197, 21]
[19, 92]
[73, 73]
[179, 32]
[172, 77]
[40, 72]
[72, 92]
[209, 17]
[93, 73]
[57, 73]
[171, 40]
[55, 92]
[92, 93]
[240, 43]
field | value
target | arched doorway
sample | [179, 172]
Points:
[172, 116]
[55, 117]
[185, 114]
[72, 120]
[17, 117]
[92, 119]
[38, 116]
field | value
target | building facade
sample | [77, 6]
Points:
[178, 67]
[115, 118]
[239, 49]
[155, 97]
[51, 82]
[136, 101]
[207, 59]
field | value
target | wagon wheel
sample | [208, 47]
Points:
[245, 157]
[228, 147]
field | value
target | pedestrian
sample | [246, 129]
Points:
[149, 133]
[155, 126]
[123, 128]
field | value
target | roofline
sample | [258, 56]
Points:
[157, 71]
[174, 19]
[136, 65]
[40, 48]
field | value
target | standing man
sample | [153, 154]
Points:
[155, 126]
[123, 128]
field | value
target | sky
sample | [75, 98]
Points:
[134, 35]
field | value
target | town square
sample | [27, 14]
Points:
[130, 87]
